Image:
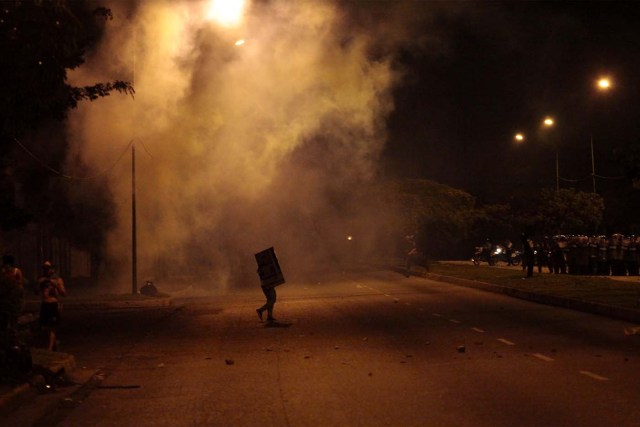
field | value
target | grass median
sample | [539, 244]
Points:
[599, 289]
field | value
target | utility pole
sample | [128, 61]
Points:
[593, 166]
[557, 171]
[134, 238]
[134, 248]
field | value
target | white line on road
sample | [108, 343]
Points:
[478, 330]
[407, 303]
[594, 376]
[436, 314]
[454, 321]
[542, 357]
[507, 342]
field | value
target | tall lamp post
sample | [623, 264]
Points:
[548, 123]
[603, 84]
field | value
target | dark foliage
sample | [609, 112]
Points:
[40, 41]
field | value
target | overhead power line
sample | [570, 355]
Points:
[589, 177]
[71, 177]
[609, 177]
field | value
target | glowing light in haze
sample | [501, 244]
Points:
[519, 137]
[548, 121]
[604, 83]
[240, 42]
[227, 13]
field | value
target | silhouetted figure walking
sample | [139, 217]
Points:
[270, 295]
[527, 254]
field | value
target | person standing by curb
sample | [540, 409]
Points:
[11, 293]
[51, 289]
[528, 255]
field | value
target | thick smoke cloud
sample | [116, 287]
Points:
[238, 148]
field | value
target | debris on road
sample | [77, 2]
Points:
[126, 386]
[632, 330]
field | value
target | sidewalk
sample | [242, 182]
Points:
[606, 301]
[51, 364]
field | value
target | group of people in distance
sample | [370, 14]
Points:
[50, 287]
[614, 255]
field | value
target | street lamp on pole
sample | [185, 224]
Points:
[603, 84]
[548, 123]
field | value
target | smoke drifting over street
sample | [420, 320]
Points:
[273, 142]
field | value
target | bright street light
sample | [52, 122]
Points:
[548, 122]
[227, 13]
[604, 83]
[519, 137]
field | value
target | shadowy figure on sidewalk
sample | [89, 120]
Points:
[51, 289]
[11, 292]
[527, 254]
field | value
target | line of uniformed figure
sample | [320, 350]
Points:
[615, 255]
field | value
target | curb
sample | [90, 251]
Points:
[111, 305]
[96, 304]
[60, 361]
[619, 313]
[23, 392]
[12, 398]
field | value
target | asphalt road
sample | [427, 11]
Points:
[366, 349]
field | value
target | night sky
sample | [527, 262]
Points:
[478, 72]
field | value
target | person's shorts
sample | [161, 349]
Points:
[49, 314]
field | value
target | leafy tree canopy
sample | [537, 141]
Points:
[40, 40]
[629, 156]
[567, 211]
[438, 214]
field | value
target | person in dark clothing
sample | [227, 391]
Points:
[508, 247]
[527, 254]
[51, 289]
[270, 295]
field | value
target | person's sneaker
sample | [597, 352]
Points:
[259, 313]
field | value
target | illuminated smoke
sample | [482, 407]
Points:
[239, 147]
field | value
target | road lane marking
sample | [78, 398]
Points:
[505, 341]
[454, 321]
[542, 357]
[436, 315]
[594, 376]
[407, 303]
[478, 330]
